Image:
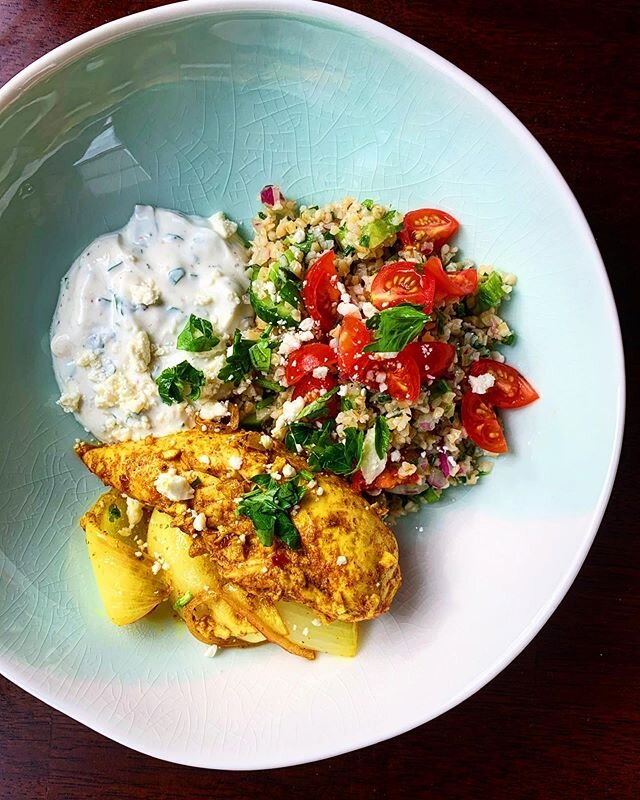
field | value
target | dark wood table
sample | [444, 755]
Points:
[563, 721]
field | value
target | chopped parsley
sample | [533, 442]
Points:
[347, 249]
[439, 388]
[395, 328]
[182, 382]
[323, 453]
[113, 513]
[382, 436]
[272, 386]
[181, 602]
[511, 339]
[247, 354]
[197, 335]
[346, 403]
[260, 354]
[268, 506]
[367, 204]
[305, 245]
[318, 407]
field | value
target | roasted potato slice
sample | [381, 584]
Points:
[213, 621]
[194, 588]
[126, 583]
[109, 514]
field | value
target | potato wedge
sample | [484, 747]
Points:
[109, 514]
[213, 621]
[264, 616]
[306, 629]
[194, 585]
[127, 586]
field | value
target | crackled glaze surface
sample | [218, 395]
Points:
[200, 112]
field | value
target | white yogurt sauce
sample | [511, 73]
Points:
[121, 307]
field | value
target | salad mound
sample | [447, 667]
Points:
[377, 351]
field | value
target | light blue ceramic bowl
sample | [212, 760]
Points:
[196, 106]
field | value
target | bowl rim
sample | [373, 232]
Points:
[83, 44]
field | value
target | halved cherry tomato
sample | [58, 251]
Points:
[312, 388]
[450, 284]
[387, 479]
[353, 337]
[306, 358]
[433, 358]
[402, 376]
[481, 423]
[398, 283]
[320, 291]
[427, 228]
[510, 390]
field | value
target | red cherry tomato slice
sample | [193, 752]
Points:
[311, 389]
[398, 283]
[450, 284]
[481, 423]
[510, 390]
[306, 358]
[426, 228]
[353, 337]
[387, 479]
[402, 376]
[320, 291]
[433, 358]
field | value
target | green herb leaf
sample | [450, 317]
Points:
[317, 408]
[383, 398]
[181, 602]
[342, 458]
[268, 507]
[197, 336]
[367, 204]
[270, 385]
[439, 388]
[238, 362]
[195, 482]
[490, 293]
[182, 382]
[511, 339]
[113, 513]
[260, 354]
[383, 436]
[346, 403]
[395, 328]
[305, 245]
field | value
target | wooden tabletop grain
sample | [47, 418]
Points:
[563, 721]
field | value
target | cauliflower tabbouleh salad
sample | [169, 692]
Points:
[375, 349]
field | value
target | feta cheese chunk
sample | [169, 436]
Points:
[480, 383]
[173, 486]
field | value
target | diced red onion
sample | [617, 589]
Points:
[426, 425]
[444, 464]
[437, 479]
[271, 196]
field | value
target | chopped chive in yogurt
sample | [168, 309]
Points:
[176, 275]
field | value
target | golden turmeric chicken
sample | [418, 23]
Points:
[345, 565]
